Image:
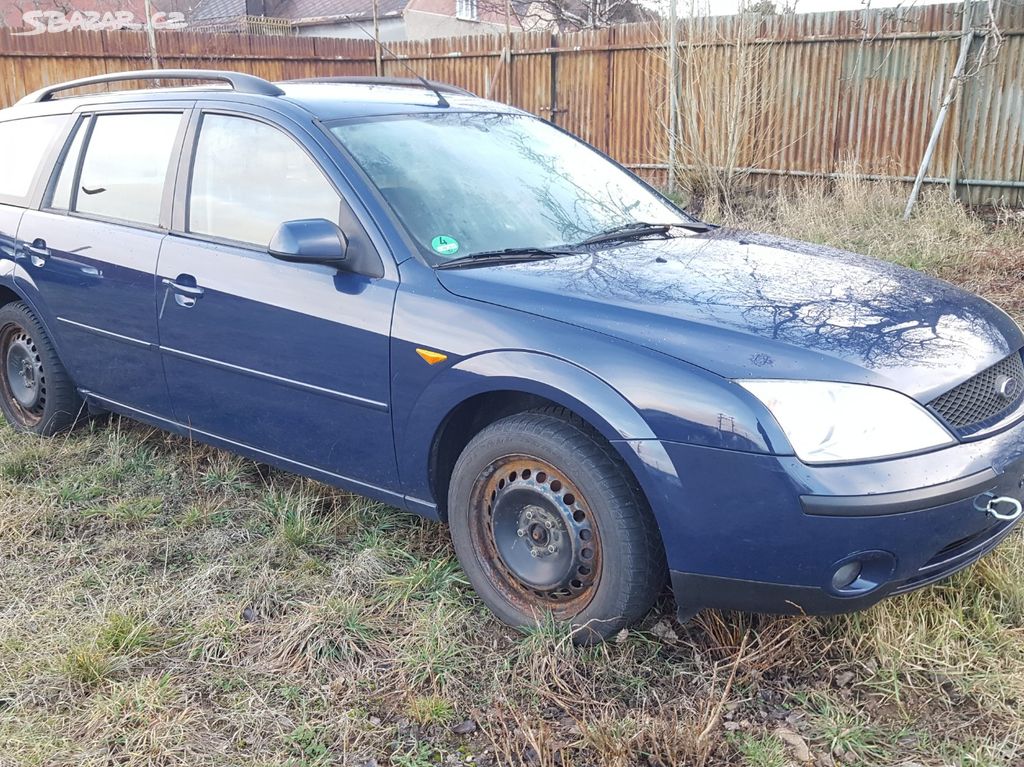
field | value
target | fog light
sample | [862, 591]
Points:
[846, 575]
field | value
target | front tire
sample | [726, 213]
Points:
[36, 392]
[546, 519]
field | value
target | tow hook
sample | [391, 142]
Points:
[991, 504]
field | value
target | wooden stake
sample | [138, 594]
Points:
[151, 34]
[378, 65]
[673, 95]
[508, 51]
[951, 91]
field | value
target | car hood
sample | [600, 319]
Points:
[746, 305]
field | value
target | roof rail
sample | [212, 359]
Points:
[239, 82]
[405, 82]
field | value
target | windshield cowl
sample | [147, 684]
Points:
[505, 256]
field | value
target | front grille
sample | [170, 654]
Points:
[984, 399]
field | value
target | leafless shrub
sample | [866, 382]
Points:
[722, 99]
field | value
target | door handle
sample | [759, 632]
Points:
[184, 295]
[192, 291]
[37, 252]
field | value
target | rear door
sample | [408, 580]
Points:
[288, 359]
[92, 251]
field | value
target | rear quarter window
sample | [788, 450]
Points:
[25, 144]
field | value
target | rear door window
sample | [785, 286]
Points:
[25, 144]
[63, 191]
[248, 178]
[125, 166]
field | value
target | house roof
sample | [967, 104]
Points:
[218, 9]
[12, 11]
[299, 9]
[211, 13]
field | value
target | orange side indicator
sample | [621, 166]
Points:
[431, 357]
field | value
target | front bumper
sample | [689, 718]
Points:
[694, 592]
[762, 533]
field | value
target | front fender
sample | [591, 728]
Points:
[559, 381]
[632, 395]
[521, 372]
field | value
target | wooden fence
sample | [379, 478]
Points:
[801, 95]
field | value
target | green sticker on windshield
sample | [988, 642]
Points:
[445, 245]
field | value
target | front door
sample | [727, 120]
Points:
[90, 254]
[290, 360]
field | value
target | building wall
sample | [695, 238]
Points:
[390, 30]
[416, 25]
[422, 25]
[491, 12]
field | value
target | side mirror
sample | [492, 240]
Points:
[310, 241]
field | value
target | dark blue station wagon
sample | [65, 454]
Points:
[456, 308]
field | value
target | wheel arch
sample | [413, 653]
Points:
[465, 421]
[481, 390]
[646, 461]
[18, 286]
[9, 295]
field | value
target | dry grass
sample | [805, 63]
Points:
[943, 238]
[169, 604]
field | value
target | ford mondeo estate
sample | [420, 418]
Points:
[457, 308]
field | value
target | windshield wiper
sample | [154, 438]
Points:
[637, 229]
[503, 256]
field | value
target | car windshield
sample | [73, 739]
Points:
[471, 182]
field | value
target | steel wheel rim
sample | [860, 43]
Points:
[23, 380]
[536, 536]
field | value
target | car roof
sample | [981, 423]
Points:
[335, 101]
[326, 101]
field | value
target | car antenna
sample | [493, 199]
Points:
[441, 100]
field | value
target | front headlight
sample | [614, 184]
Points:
[829, 422]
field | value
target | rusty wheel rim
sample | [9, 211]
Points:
[535, 536]
[22, 381]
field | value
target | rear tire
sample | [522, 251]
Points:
[547, 520]
[36, 392]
